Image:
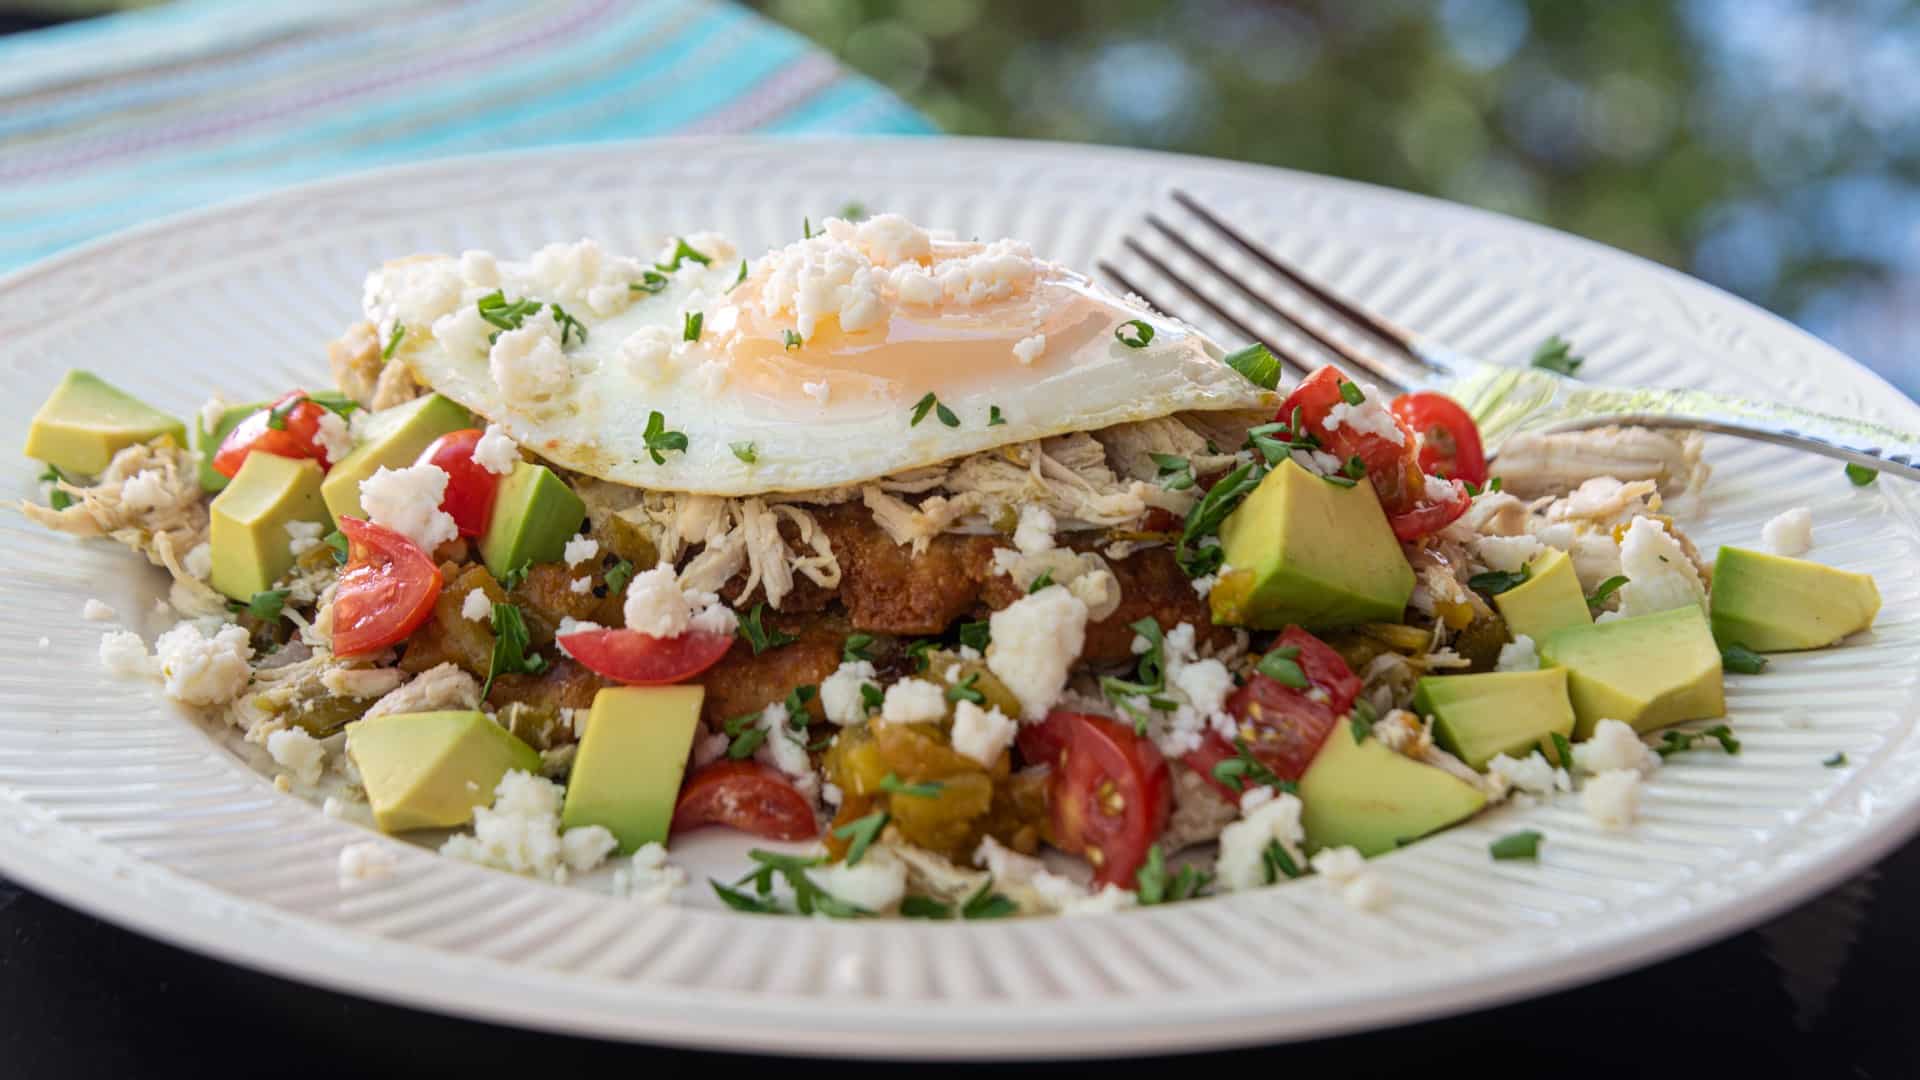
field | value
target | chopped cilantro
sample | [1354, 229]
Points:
[660, 440]
[745, 451]
[1258, 364]
[856, 647]
[1737, 657]
[1495, 582]
[1350, 393]
[1155, 886]
[510, 653]
[1556, 354]
[1861, 476]
[1282, 666]
[690, 330]
[893, 785]
[393, 340]
[861, 832]
[1524, 844]
[759, 636]
[1134, 333]
[1176, 472]
[1598, 597]
[976, 635]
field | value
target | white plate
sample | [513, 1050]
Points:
[119, 804]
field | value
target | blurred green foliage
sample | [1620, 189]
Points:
[1767, 145]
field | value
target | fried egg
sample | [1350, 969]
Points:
[862, 351]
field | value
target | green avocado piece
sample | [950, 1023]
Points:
[1648, 671]
[1374, 798]
[86, 420]
[535, 513]
[1306, 551]
[1548, 600]
[249, 536]
[1771, 603]
[429, 770]
[1478, 717]
[394, 439]
[626, 774]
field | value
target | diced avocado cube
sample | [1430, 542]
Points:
[86, 421]
[1770, 603]
[394, 439]
[249, 538]
[626, 773]
[1648, 671]
[1548, 600]
[1367, 796]
[207, 443]
[1478, 717]
[535, 513]
[429, 770]
[1303, 550]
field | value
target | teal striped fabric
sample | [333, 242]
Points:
[114, 121]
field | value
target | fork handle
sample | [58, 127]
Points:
[1512, 400]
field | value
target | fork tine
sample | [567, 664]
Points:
[1297, 369]
[1346, 355]
[1387, 333]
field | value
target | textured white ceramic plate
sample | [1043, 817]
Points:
[119, 804]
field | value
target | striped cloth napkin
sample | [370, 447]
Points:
[113, 121]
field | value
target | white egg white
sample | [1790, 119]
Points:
[808, 372]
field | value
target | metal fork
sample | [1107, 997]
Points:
[1503, 400]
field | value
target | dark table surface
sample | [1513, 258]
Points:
[1826, 990]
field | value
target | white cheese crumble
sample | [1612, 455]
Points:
[1508, 554]
[527, 364]
[1518, 655]
[709, 748]
[656, 605]
[125, 654]
[303, 536]
[362, 682]
[1205, 583]
[332, 435]
[579, 550]
[144, 491]
[1370, 417]
[479, 269]
[1614, 746]
[877, 883]
[1035, 641]
[365, 862]
[1660, 577]
[1243, 844]
[496, 451]
[1347, 870]
[199, 561]
[333, 807]
[914, 701]
[840, 695]
[1790, 533]
[408, 502]
[981, 734]
[477, 606]
[648, 878]
[212, 411]
[201, 670]
[1029, 349]
[95, 611]
[299, 753]
[581, 585]
[1199, 689]
[648, 354]
[1034, 534]
[521, 833]
[1612, 799]
[1533, 774]
[785, 748]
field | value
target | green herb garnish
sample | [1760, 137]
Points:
[510, 652]
[1676, 742]
[1258, 364]
[660, 440]
[1134, 333]
[1737, 657]
[871, 697]
[855, 648]
[618, 576]
[994, 419]
[1243, 768]
[1045, 580]
[1156, 887]
[976, 635]
[1563, 750]
[742, 276]
[1282, 666]
[504, 314]
[393, 340]
[1861, 476]
[917, 653]
[793, 339]
[893, 785]
[267, 605]
[1204, 520]
[681, 253]
[925, 907]
[277, 416]
[1598, 597]
[1279, 862]
[57, 498]
[1836, 760]
[690, 330]
[1495, 582]
[1524, 844]
[651, 281]
[987, 904]
[337, 540]
[796, 703]
[861, 832]
[1350, 393]
[747, 734]
[1176, 472]
[516, 577]
[745, 451]
[1556, 354]
[760, 637]
[965, 690]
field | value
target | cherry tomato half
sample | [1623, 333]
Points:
[637, 659]
[1286, 726]
[1450, 445]
[748, 796]
[386, 591]
[1390, 466]
[1428, 518]
[299, 438]
[1110, 796]
[470, 487]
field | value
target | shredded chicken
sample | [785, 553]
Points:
[435, 689]
[1130, 447]
[1199, 811]
[363, 373]
[1534, 464]
[161, 515]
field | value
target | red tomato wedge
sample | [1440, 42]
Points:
[1390, 466]
[637, 659]
[387, 589]
[299, 438]
[1109, 797]
[1450, 445]
[1284, 727]
[747, 796]
[1430, 517]
[470, 487]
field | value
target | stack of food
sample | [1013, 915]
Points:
[929, 554]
